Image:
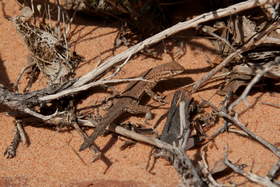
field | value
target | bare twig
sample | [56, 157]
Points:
[204, 29]
[274, 171]
[251, 176]
[184, 126]
[211, 79]
[119, 67]
[40, 116]
[146, 139]
[131, 134]
[249, 87]
[185, 168]
[85, 87]
[206, 171]
[271, 104]
[259, 139]
[254, 41]
[170, 31]
[21, 74]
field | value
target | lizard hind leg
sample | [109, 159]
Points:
[137, 109]
[156, 96]
[141, 109]
[18, 137]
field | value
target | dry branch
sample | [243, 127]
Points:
[25, 103]
[265, 181]
[165, 34]
[220, 13]
[85, 87]
[257, 77]
[259, 139]
[253, 42]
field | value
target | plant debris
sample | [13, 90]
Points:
[246, 35]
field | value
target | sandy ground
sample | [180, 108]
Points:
[52, 159]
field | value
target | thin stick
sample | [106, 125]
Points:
[184, 125]
[248, 88]
[254, 41]
[271, 104]
[259, 139]
[21, 74]
[85, 87]
[251, 176]
[274, 170]
[40, 116]
[204, 29]
[206, 171]
[220, 13]
[131, 134]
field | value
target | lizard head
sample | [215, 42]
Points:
[168, 70]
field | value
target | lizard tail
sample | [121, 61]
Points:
[85, 145]
[89, 140]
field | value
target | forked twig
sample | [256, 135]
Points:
[256, 78]
[251, 176]
[259, 139]
[254, 41]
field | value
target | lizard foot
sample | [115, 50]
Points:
[84, 146]
[97, 156]
[159, 98]
[10, 152]
[12, 148]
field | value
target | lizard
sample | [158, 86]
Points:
[130, 97]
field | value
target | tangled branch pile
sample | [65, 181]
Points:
[246, 35]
